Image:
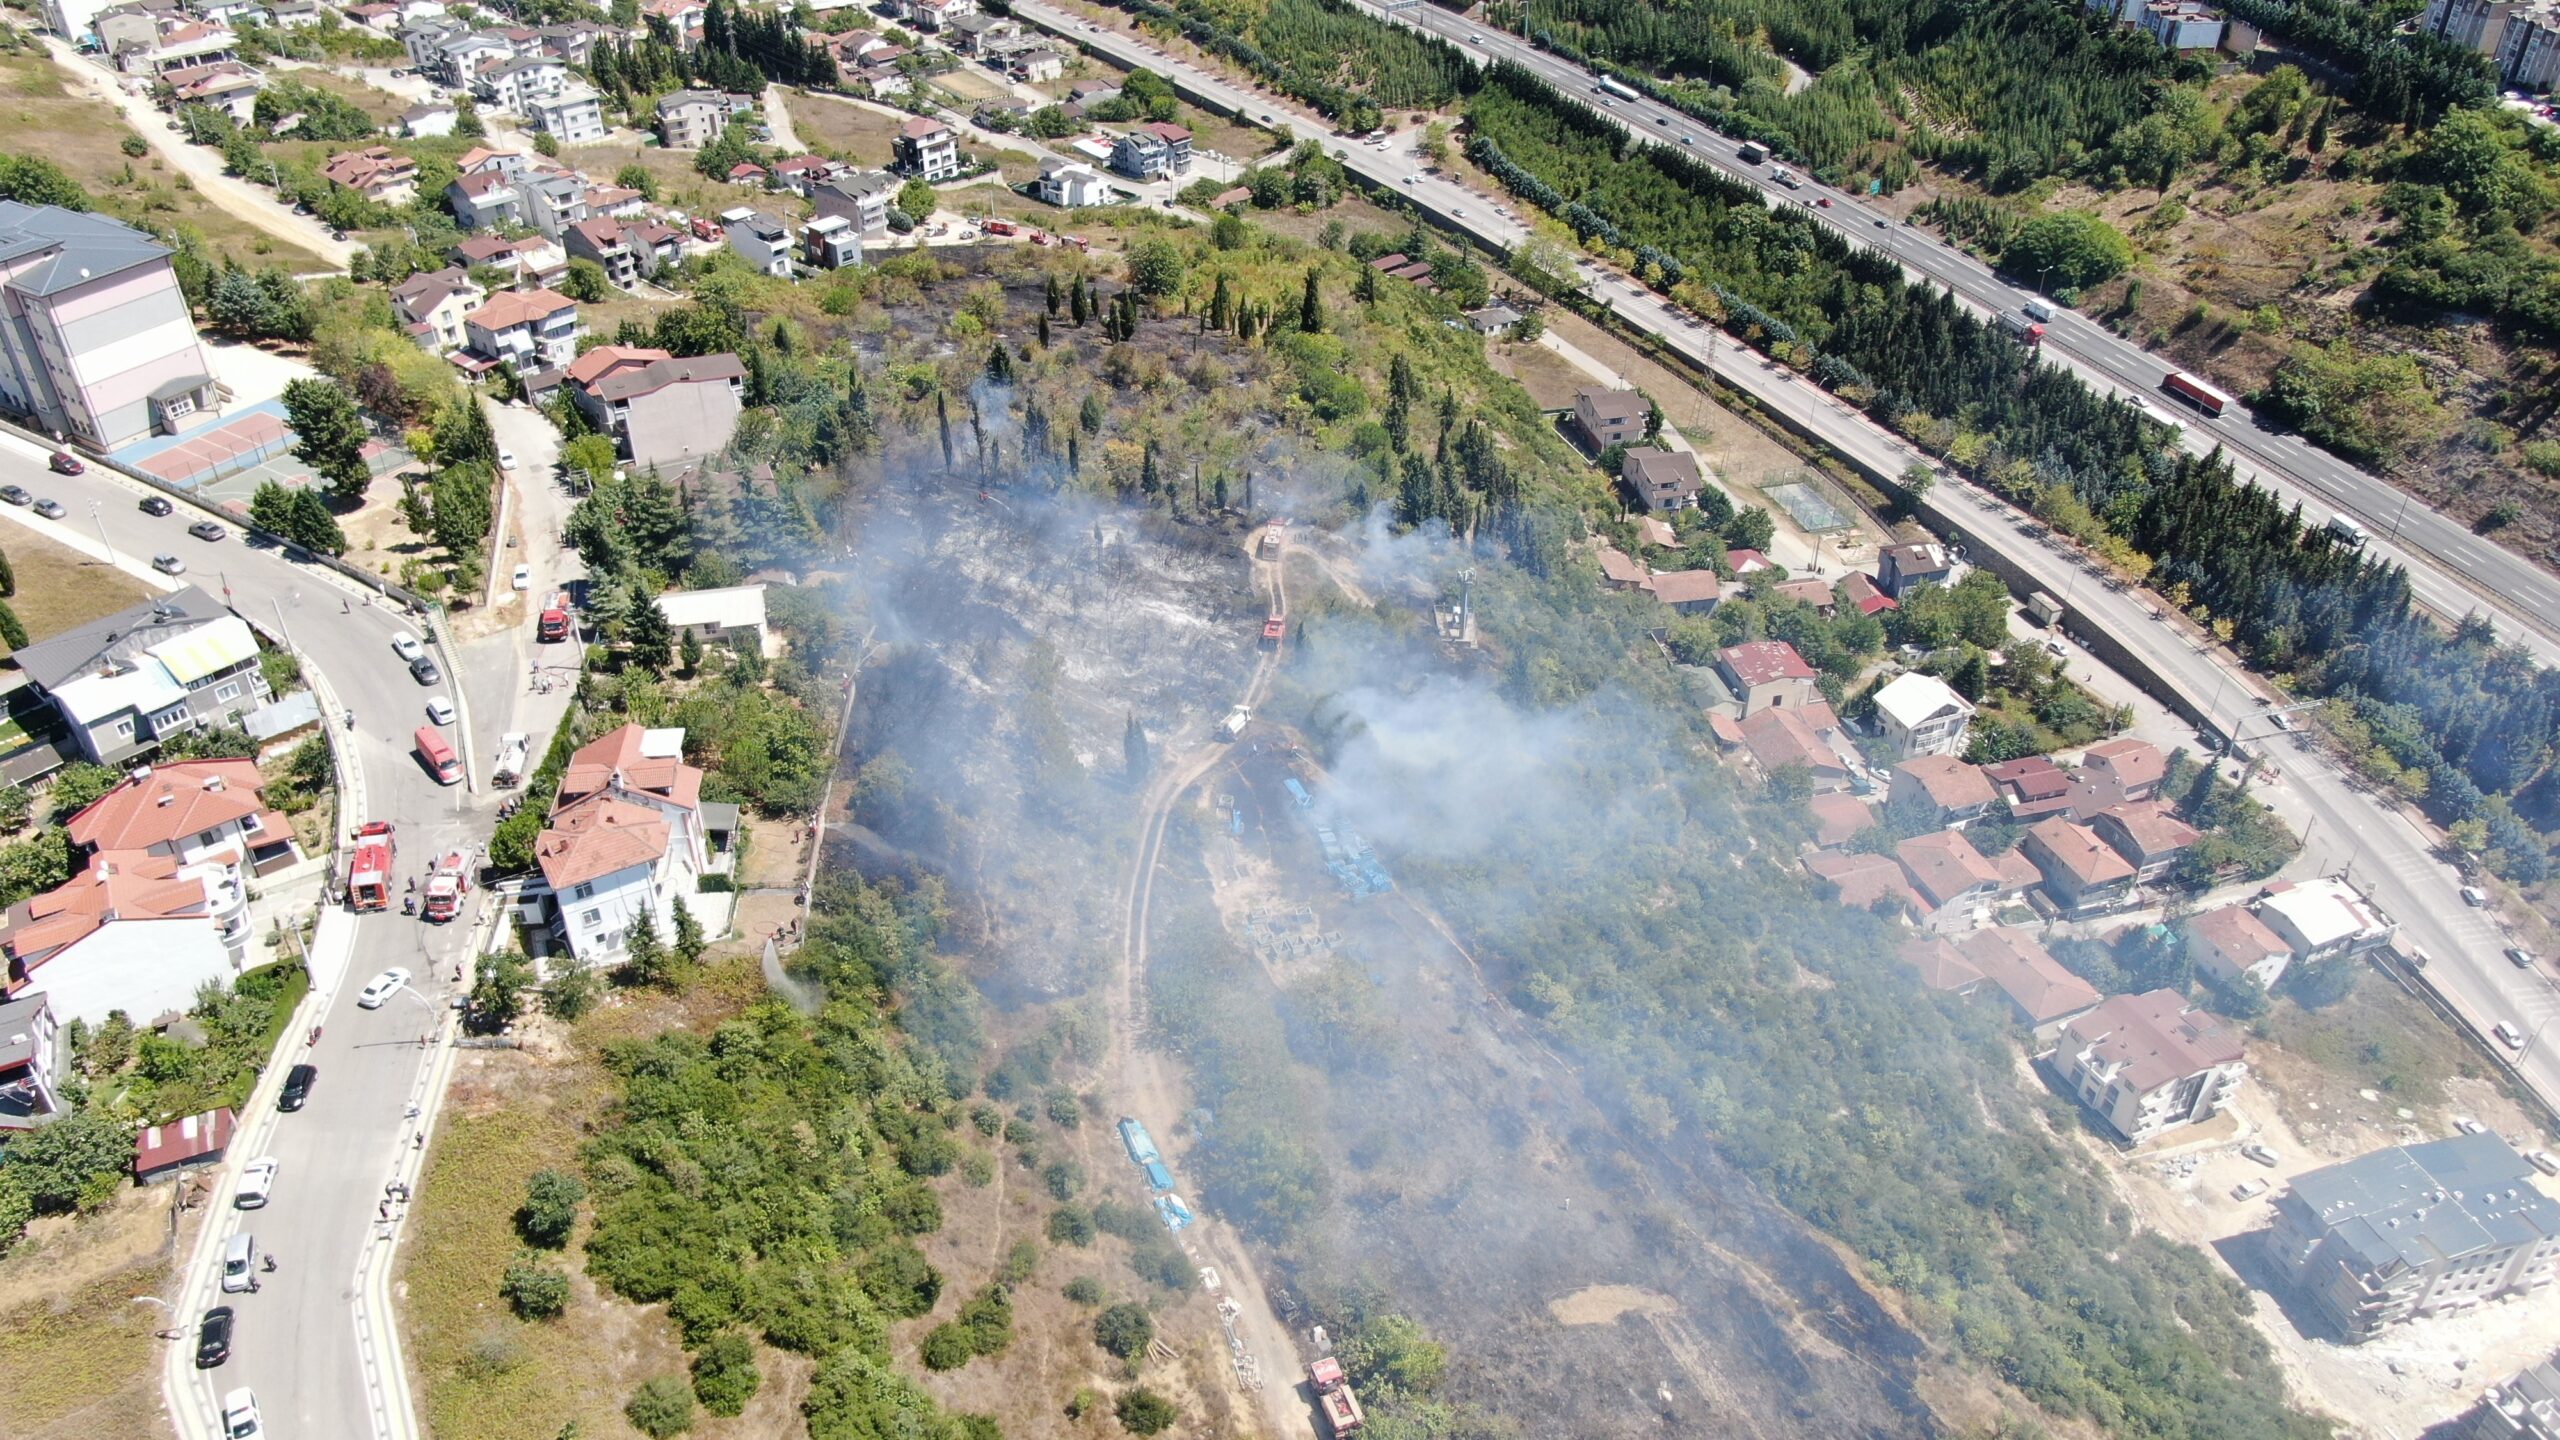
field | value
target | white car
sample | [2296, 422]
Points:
[405, 645]
[2260, 1153]
[506, 459]
[257, 1182]
[383, 987]
[523, 577]
[240, 1420]
[2248, 1189]
[439, 710]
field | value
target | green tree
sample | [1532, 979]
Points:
[329, 434]
[1156, 266]
[724, 1374]
[1124, 1330]
[8, 578]
[592, 456]
[646, 958]
[511, 845]
[13, 631]
[918, 200]
[1311, 303]
[550, 1209]
[497, 995]
[650, 641]
[1142, 1411]
[34, 180]
[536, 1290]
[2074, 247]
[60, 1166]
[571, 993]
[586, 282]
[17, 807]
[34, 865]
[689, 939]
[78, 785]
[946, 1347]
[661, 1408]
[636, 176]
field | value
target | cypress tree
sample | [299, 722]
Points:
[942, 417]
[1079, 310]
[1311, 306]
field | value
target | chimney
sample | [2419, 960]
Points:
[212, 782]
[138, 773]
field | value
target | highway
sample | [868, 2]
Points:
[2390, 857]
[297, 1342]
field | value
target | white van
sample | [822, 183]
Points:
[2509, 1036]
[239, 1263]
[2039, 310]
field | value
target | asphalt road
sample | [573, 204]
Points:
[296, 1343]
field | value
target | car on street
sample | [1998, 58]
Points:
[257, 1182]
[439, 710]
[424, 671]
[2509, 1036]
[16, 494]
[405, 645]
[2472, 895]
[206, 530]
[213, 1337]
[63, 462]
[506, 459]
[1823, 200]
[49, 508]
[1883, 224]
[297, 1087]
[168, 564]
[240, 1419]
[2519, 957]
[240, 1264]
[523, 578]
[156, 505]
[2261, 1154]
[1688, 139]
[381, 988]
[2248, 1189]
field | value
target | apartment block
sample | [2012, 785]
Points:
[2149, 1063]
[2414, 1231]
[96, 340]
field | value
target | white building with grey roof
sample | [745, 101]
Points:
[2412, 1231]
[2523, 1407]
[95, 338]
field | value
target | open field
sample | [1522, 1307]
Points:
[58, 587]
[77, 1354]
[41, 117]
[833, 125]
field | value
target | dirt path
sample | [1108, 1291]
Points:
[777, 119]
[203, 168]
[1268, 1359]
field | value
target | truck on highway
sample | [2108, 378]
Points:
[554, 621]
[369, 874]
[1751, 153]
[447, 883]
[2021, 329]
[2347, 532]
[1611, 85]
[2195, 392]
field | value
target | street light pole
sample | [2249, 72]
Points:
[98, 518]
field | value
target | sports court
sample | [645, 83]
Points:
[226, 461]
[1812, 502]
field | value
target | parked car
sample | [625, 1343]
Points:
[213, 1337]
[240, 1419]
[439, 710]
[2519, 957]
[2261, 1154]
[168, 564]
[381, 988]
[206, 530]
[2469, 1126]
[63, 462]
[506, 458]
[2248, 1189]
[523, 578]
[405, 645]
[257, 1181]
[2508, 1035]
[16, 494]
[2472, 895]
[297, 1087]
[239, 1263]
[156, 505]
[424, 671]
[2543, 1161]
[49, 508]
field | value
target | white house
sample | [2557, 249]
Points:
[630, 834]
[1071, 184]
[2148, 1063]
[135, 932]
[760, 240]
[1922, 716]
[2323, 918]
[714, 616]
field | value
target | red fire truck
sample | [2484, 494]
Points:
[1333, 1396]
[369, 876]
[554, 624]
[447, 883]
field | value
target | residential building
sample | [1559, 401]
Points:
[573, 42]
[2044, 996]
[1954, 883]
[615, 201]
[760, 240]
[2033, 785]
[629, 834]
[128, 681]
[1923, 715]
[1663, 480]
[2082, 873]
[1072, 183]
[1858, 588]
[1874, 883]
[716, 616]
[862, 197]
[2181, 25]
[528, 260]
[433, 303]
[1939, 965]
[1087, 93]
[227, 86]
[180, 45]
[1940, 791]
[165, 1152]
[514, 84]
[193, 812]
[485, 199]
[2231, 942]
[691, 119]
[830, 243]
[431, 121]
[1036, 66]
[1838, 819]
[574, 115]
[135, 932]
[2478, 26]
[2526, 1406]
[1766, 673]
[32, 1059]
[798, 173]
[683, 18]
[934, 16]
[2148, 837]
[928, 150]
[96, 340]
[528, 329]
[665, 410]
[1687, 592]
[1156, 150]
[458, 60]
[1780, 738]
[2412, 1231]
[376, 172]
[2116, 772]
[425, 41]
[1901, 569]
[981, 35]
[2323, 919]
[602, 240]
[2529, 57]
[554, 200]
[2149, 1063]
[1611, 417]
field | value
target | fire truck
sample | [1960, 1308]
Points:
[554, 624]
[447, 883]
[369, 877]
[1333, 1396]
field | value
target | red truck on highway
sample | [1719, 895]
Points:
[369, 875]
[447, 883]
[2195, 392]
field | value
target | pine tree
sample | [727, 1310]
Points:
[1044, 330]
[1079, 309]
[1000, 363]
[689, 653]
[12, 629]
[647, 961]
[1367, 290]
[1221, 306]
[1311, 305]
[651, 641]
[689, 939]
[1052, 295]
[8, 577]
[1148, 481]
[1075, 455]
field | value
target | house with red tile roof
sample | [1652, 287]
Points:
[1766, 674]
[2114, 772]
[2034, 786]
[2040, 992]
[629, 833]
[134, 931]
[2232, 941]
[1954, 883]
[2082, 873]
[1939, 964]
[2149, 1063]
[1941, 791]
[1837, 819]
[190, 811]
[1778, 739]
[2148, 837]
[1862, 882]
[1858, 589]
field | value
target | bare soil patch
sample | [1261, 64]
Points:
[78, 1356]
[59, 588]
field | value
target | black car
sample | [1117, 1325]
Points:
[424, 671]
[213, 1338]
[205, 530]
[297, 1086]
[156, 505]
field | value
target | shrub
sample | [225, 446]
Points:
[1143, 1412]
[724, 1374]
[899, 1278]
[947, 1347]
[1124, 1330]
[550, 1208]
[536, 1290]
[661, 1408]
[1084, 1290]
[1071, 1225]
